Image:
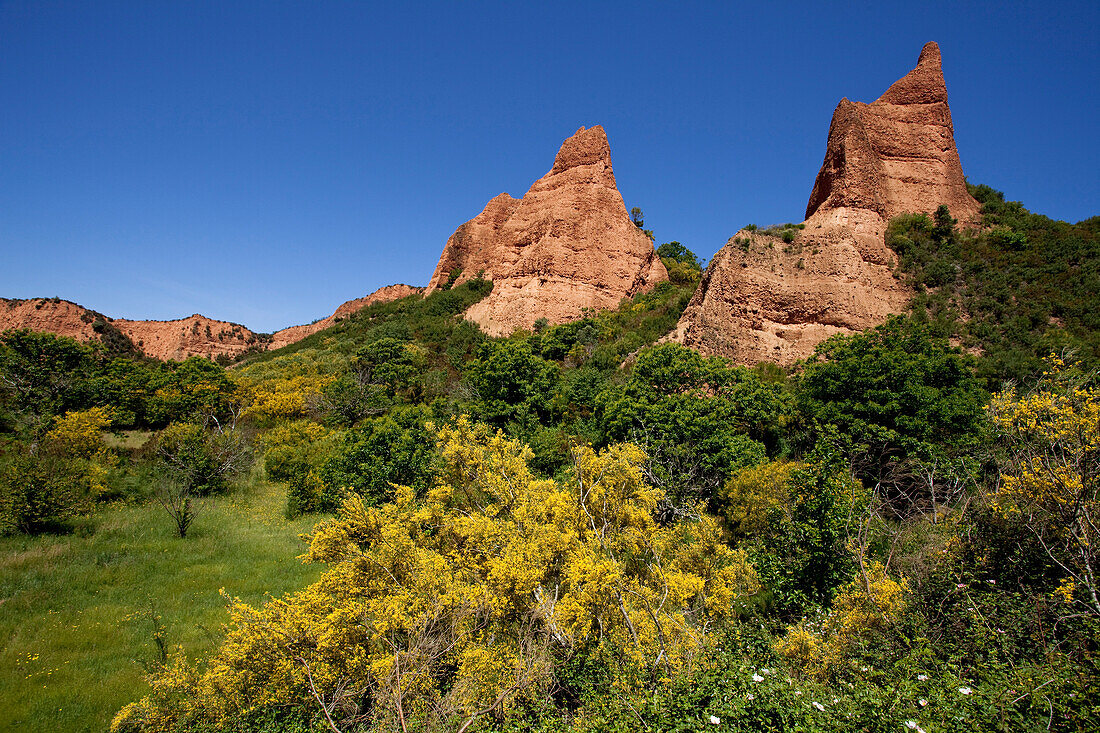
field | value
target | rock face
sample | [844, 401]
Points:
[389, 293]
[51, 315]
[766, 299]
[179, 339]
[568, 244]
[896, 154]
[196, 335]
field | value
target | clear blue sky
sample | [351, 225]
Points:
[261, 162]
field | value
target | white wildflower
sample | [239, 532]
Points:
[965, 690]
[922, 677]
[922, 702]
[750, 698]
[756, 677]
[818, 705]
[715, 720]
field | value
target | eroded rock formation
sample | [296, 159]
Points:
[179, 339]
[763, 298]
[389, 293]
[193, 336]
[896, 154]
[568, 244]
[51, 315]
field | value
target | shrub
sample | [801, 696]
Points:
[44, 492]
[434, 613]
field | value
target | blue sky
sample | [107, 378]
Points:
[262, 162]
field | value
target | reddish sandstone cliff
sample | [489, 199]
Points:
[765, 299]
[179, 339]
[568, 244]
[896, 154]
[51, 315]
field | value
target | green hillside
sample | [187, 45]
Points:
[575, 528]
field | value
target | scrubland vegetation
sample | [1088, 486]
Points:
[574, 528]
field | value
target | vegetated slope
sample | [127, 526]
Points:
[294, 334]
[772, 296]
[567, 245]
[1021, 287]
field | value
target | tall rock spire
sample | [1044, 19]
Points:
[568, 244]
[897, 154]
[775, 296]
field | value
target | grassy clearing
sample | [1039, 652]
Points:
[75, 622]
[127, 439]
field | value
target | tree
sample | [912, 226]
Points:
[42, 375]
[379, 376]
[899, 397]
[512, 384]
[198, 461]
[679, 253]
[698, 419]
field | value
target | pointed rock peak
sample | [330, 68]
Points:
[584, 148]
[930, 54]
[922, 85]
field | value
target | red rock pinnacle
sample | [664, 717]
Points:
[896, 154]
[568, 244]
[769, 298]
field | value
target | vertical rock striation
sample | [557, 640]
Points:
[567, 245]
[767, 299]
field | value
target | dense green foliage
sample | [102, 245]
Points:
[579, 529]
[1020, 287]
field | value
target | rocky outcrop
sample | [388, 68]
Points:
[51, 315]
[773, 296]
[567, 245]
[764, 299]
[195, 335]
[294, 334]
[896, 154]
[179, 339]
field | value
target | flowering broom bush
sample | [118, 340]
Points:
[438, 610]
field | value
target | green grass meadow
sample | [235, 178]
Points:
[75, 611]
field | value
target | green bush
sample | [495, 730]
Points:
[41, 492]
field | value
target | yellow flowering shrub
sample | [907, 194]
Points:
[751, 493]
[867, 606]
[289, 397]
[79, 434]
[435, 610]
[1051, 478]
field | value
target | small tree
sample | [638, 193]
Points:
[179, 501]
[198, 461]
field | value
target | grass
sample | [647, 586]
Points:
[127, 439]
[75, 611]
